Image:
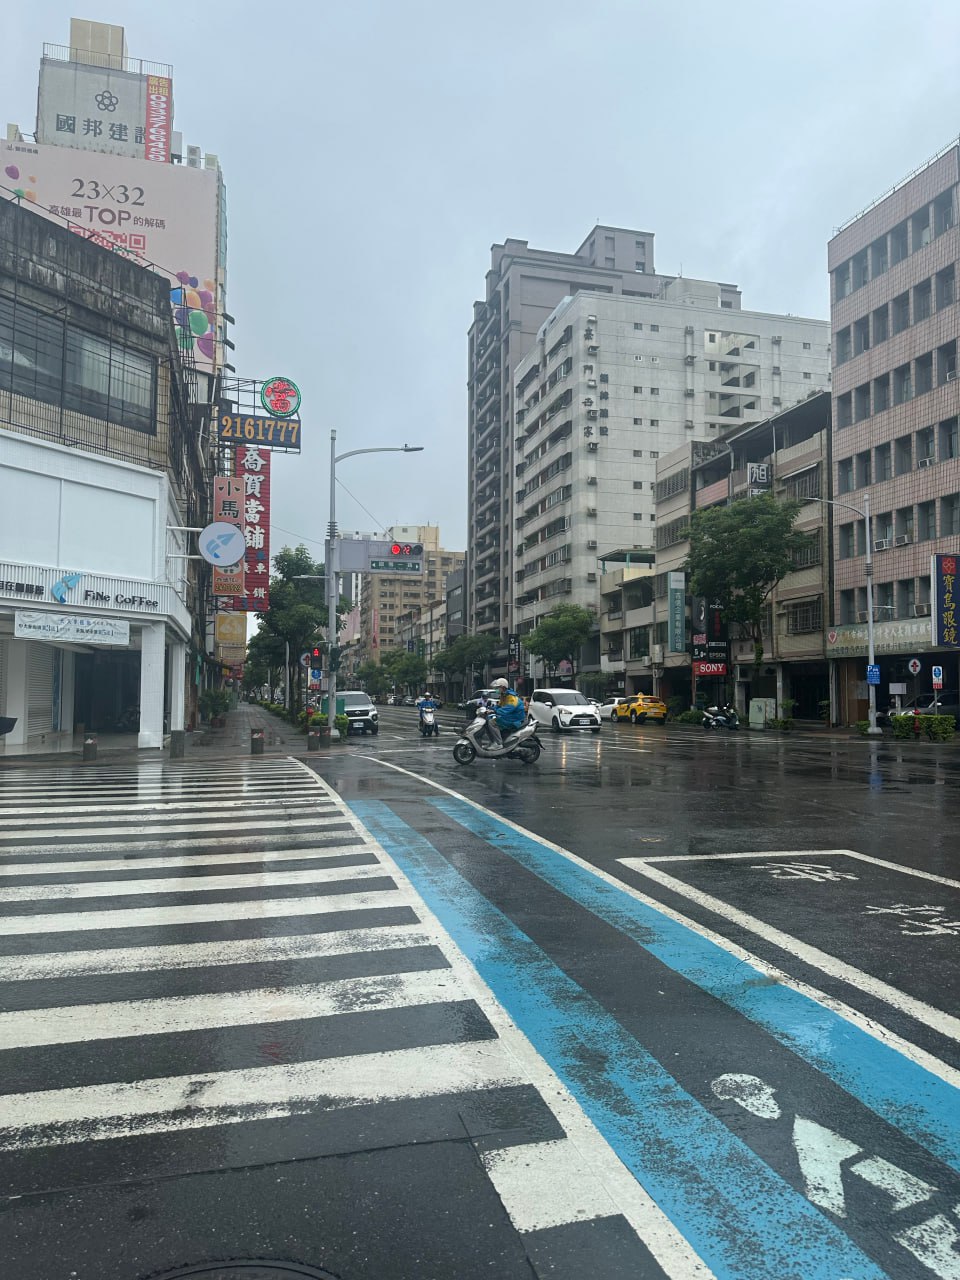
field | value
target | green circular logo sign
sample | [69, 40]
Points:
[280, 396]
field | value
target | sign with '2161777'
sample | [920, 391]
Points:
[258, 429]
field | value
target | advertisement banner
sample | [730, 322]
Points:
[228, 508]
[676, 612]
[165, 216]
[35, 624]
[159, 118]
[92, 108]
[230, 630]
[252, 467]
[709, 643]
[943, 593]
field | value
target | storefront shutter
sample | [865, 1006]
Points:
[39, 689]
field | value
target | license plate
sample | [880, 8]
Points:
[580, 720]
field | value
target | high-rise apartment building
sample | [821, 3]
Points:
[609, 386]
[387, 597]
[523, 286]
[895, 414]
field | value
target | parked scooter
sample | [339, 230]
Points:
[428, 721]
[721, 718]
[523, 744]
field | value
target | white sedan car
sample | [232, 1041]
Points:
[564, 709]
[608, 707]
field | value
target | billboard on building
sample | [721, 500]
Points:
[163, 215]
[89, 108]
[676, 611]
[709, 640]
[228, 509]
[252, 466]
[943, 593]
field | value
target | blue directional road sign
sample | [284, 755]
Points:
[873, 674]
[316, 673]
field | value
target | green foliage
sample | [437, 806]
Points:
[823, 710]
[863, 727]
[561, 635]
[464, 653]
[593, 684]
[739, 553]
[933, 728]
[784, 725]
[677, 706]
[373, 677]
[693, 715]
[342, 726]
[214, 702]
[407, 669]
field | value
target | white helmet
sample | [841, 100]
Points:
[500, 684]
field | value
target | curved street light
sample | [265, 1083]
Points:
[333, 594]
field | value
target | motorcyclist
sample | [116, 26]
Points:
[508, 714]
[426, 702]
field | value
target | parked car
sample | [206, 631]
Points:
[564, 709]
[641, 708]
[608, 707]
[360, 711]
[409, 700]
[948, 704]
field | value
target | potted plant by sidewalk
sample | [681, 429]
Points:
[214, 704]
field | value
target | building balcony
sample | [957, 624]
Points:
[711, 494]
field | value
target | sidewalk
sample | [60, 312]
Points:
[280, 738]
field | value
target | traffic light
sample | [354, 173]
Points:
[403, 550]
[334, 661]
[316, 655]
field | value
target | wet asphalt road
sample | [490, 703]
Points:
[732, 963]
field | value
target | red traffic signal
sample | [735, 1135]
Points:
[406, 549]
[316, 651]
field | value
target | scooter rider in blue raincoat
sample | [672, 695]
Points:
[426, 702]
[509, 713]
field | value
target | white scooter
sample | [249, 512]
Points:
[523, 744]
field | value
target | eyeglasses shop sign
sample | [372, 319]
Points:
[36, 624]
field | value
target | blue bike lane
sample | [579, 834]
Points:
[782, 1136]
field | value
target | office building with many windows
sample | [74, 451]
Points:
[896, 398]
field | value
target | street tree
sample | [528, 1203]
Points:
[297, 609]
[560, 636]
[404, 669]
[372, 676]
[738, 554]
[464, 654]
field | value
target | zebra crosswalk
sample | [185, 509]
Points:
[186, 956]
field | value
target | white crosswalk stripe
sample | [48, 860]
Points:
[165, 972]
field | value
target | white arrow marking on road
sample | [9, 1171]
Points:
[821, 1152]
[902, 1187]
[934, 1243]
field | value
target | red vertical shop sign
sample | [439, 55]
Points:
[228, 508]
[252, 466]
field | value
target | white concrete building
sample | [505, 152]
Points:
[93, 620]
[611, 384]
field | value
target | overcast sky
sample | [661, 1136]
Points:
[373, 151]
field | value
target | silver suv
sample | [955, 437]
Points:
[360, 711]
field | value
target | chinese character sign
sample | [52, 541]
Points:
[676, 615]
[228, 501]
[280, 396]
[943, 593]
[252, 468]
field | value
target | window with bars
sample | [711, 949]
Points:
[805, 616]
[806, 485]
[811, 552]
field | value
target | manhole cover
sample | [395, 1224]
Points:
[252, 1270]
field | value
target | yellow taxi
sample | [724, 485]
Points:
[641, 708]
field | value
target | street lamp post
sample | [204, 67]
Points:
[333, 594]
[872, 727]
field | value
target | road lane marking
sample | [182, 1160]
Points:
[92, 1113]
[74, 964]
[905, 1085]
[187, 884]
[937, 1019]
[74, 1024]
[741, 1217]
[807, 853]
[190, 913]
[305, 853]
[545, 1184]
